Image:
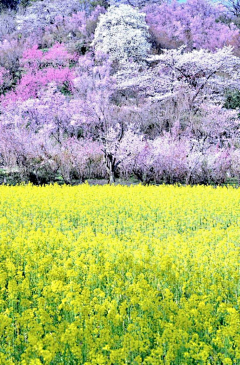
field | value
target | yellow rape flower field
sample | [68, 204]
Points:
[119, 275]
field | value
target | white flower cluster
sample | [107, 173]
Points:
[123, 34]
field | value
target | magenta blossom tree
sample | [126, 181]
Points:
[40, 69]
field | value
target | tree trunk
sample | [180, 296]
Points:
[111, 177]
[110, 165]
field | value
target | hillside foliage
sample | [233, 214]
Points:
[106, 89]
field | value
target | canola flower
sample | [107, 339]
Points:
[119, 275]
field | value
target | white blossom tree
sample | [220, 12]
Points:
[195, 78]
[177, 87]
[122, 33]
[199, 73]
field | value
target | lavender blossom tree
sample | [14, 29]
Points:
[194, 23]
[98, 117]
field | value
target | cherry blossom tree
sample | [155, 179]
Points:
[175, 85]
[195, 24]
[202, 71]
[163, 159]
[55, 146]
[98, 117]
[39, 69]
[122, 33]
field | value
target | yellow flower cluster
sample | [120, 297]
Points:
[119, 275]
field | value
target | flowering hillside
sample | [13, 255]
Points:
[130, 89]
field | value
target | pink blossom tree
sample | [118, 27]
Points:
[39, 69]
